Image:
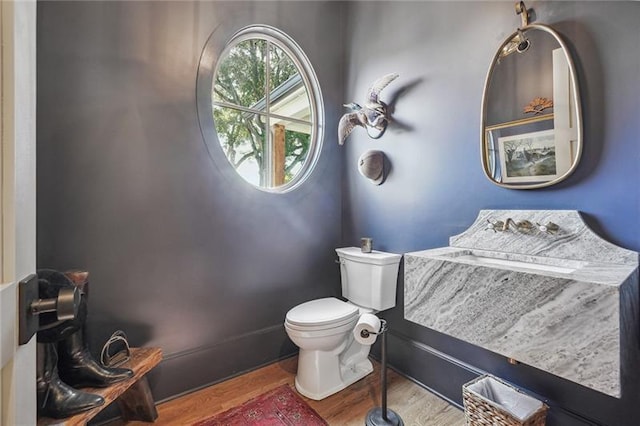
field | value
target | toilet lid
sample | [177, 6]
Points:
[321, 312]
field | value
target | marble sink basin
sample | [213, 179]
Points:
[511, 262]
[565, 303]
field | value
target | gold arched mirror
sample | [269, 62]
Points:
[531, 115]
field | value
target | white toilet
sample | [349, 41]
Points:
[330, 358]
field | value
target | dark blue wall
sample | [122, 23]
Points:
[183, 254]
[442, 51]
[186, 256]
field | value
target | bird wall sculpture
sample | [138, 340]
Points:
[372, 116]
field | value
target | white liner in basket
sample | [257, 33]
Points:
[521, 406]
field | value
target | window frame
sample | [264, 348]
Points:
[207, 72]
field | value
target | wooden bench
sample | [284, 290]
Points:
[133, 395]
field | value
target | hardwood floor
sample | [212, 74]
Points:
[415, 405]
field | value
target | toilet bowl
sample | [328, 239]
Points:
[330, 358]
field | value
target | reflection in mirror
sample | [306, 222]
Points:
[531, 120]
[265, 105]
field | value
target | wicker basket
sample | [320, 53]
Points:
[479, 410]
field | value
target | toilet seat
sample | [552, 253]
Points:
[321, 314]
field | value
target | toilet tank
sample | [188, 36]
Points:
[369, 279]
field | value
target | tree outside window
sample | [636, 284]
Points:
[262, 111]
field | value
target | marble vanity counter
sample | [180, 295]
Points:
[579, 270]
[558, 309]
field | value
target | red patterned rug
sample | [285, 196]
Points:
[279, 406]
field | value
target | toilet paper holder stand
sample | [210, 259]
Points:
[379, 416]
[383, 327]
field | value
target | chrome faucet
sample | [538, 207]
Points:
[508, 223]
[549, 228]
[494, 226]
[521, 226]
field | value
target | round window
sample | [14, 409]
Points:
[267, 108]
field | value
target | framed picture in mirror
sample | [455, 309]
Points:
[501, 141]
[528, 157]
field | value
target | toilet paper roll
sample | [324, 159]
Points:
[369, 323]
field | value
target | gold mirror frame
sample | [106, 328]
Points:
[485, 150]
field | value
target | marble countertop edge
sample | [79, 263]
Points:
[610, 274]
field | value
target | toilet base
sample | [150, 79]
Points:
[334, 378]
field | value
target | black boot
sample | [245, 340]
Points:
[78, 368]
[55, 398]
